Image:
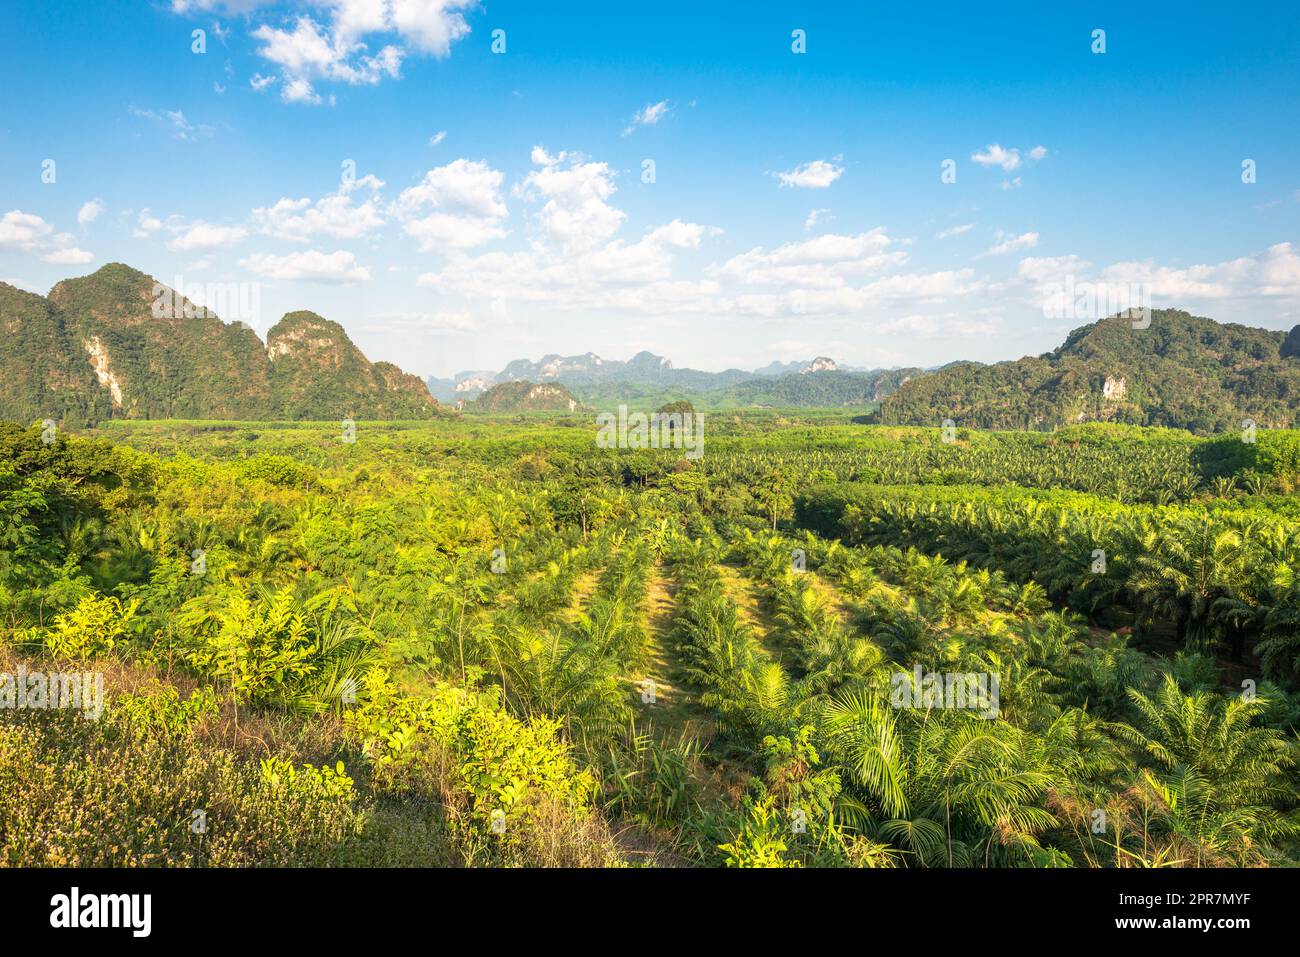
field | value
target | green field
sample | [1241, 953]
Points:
[483, 640]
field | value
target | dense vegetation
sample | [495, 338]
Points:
[106, 345]
[1183, 371]
[482, 642]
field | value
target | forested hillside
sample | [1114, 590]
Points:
[115, 344]
[1183, 371]
[526, 397]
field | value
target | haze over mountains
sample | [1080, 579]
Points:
[818, 381]
[95, 348]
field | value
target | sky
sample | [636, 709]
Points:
[460, 184]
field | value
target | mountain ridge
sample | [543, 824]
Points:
[1181, 371]
[594, 378]
[118, 344]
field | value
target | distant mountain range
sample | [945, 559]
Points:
[100, 347]
[820, 381]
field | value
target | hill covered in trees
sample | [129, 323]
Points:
[1182, 371]
[526, 397]
[117, 344]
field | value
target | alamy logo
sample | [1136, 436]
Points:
[39, 691]
[963, 690]
[103, 910]
[1090, 301]
[231, 301]
[658, 430]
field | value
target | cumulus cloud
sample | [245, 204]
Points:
[995, 155]
[576, 213]
[31, 234]
[824, 261]
[89, 211]
[310, 265]
[1269, 275]
[335, 215]
[455, 207]
[146, 225]
[818, 174]
[307, 51]
[200, 236]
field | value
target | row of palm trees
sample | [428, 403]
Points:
[1220, 581]
[1162, 775]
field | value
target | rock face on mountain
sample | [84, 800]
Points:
[526, 397]
[117, 344]
[315, 366]
[1182, 371]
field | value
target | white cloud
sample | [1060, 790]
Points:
[29, 233]
[431, 26]
[1009, 244]
[1045, 269]
[146, 225]
[814, 217]
[818, 174]
[576, 214]
[648, 115]
[1038, 152]
[457, 206]
[825, 261]
[437, 137]
[199, 236]
[995, 155]
[306, 51]
[955, 231]
[68, 256]
[1271, 274]
[89, 211]
[260, 83]
[310, 265]
[299, 220]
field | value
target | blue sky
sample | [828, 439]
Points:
[495, 204]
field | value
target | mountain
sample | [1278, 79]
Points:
[527, 397]
[647, 377]
[315, 367]
[1183, 371]
[117, 344]
[830, 387]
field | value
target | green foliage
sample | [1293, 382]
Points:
[1183, 372]
[92, 629]
[467, 617]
